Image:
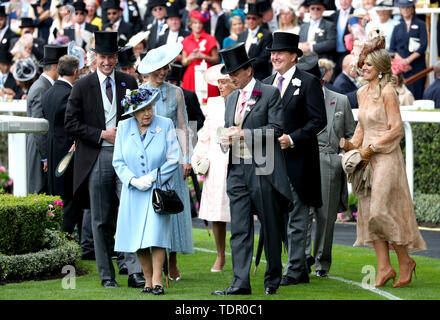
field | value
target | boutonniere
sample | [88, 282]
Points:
[123, 84]
[158, 129]
[259, 35]
[319, 31]
[164, 28]
[296, 82]
[256, 94]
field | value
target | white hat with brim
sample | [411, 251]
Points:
[213, 74]
[159, 57]
[132, 107]
[138, 38]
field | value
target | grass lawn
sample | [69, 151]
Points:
[198, 282]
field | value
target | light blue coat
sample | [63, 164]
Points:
[138, 225]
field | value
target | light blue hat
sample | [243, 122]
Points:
[159, 57]
[76, 51]
[137, 99]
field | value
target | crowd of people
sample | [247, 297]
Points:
[117, 81]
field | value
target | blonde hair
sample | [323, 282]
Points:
[233, 19]
[381, 61]
[326, 64]
[290, 10]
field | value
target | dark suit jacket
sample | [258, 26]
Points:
[85, 120]
[54, 103]
[37, 47]
[433, 93]
[262, 67]
[343, 84]
[5, 43]
[325, 45]
[125, 31]
[221, 29]
[163, 38]
[12, 84]
[152, 27]
[193, 108]
[266, 114]
[305, 117]
[134, 17]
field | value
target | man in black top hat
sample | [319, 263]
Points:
[6, 34]
[319, 35]
[27, 26]
[155, 21]
[305, 117]
[98, 95]
[217, 25]
[83, 30]
[8, 85]
[127, 61]
[256, 39]
[36, 144]
[174, 32]
[113, 12]
[257, 180]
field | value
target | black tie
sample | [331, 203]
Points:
[108, 90]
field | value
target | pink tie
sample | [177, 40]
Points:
[242, 103]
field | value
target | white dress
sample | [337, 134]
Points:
[214, 204]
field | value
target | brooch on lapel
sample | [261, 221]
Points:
[158, 129]
[319, 31]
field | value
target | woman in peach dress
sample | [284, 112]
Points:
[214, 204]
[386, 217]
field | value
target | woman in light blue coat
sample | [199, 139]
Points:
[144, 143]
[171, 104]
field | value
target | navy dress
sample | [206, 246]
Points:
[399, 44]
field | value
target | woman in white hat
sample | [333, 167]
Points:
[208, 158]
[171, 104]
[144, 143]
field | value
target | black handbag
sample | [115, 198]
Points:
[165, 201]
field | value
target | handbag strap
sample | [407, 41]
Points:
[159, 181]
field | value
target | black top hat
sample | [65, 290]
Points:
[263, 5]
[310, 64]
[5, 56]
[106, 42]
[111, 4]
[27, 23]
[156, 3]
[52, 53]
[173, 11]
[234, 57]
[126, 57]
[310, 2]
[3, 11]
[80, 6]
[285, 41]
[175, 72]
[253, 8]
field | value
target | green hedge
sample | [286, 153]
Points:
[23, 221]
[60, 251]
[427, 207]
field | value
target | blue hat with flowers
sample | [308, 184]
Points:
[137, 99]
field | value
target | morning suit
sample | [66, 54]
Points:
[154, 35]
[12, 84]
[303, 103]
[139, 226]
[257, 187]
[54, 103]
[262, 38]
[400, 40]
[340, 124]
[343, 84]
[433, 93]
[125, 31]
[164, 37]
[88, 113]
[5, 41]
[325, 38]
[36, 143]
[221, 29]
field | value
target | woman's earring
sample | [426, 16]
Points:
[380, 75]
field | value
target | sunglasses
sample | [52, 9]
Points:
[77, 13]
[112, 13]
[251, 18]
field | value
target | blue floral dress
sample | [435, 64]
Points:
[171, 104]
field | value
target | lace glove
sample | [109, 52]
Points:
[346, 145]
[366, 154]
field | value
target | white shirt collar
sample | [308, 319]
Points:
[65, 80]
[52, 81]
[315, 22]
[254, 32]
[102, 76]
[249, 87]
[288, 74]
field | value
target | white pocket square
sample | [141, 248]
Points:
[296, 92]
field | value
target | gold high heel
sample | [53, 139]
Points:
[400, 284]
[390, 275]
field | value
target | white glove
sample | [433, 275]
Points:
[195, 164]
[142, 183]
[147, 181]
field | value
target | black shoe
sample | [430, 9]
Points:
[322, 274]
[310, 263]
[136, 280]
[146, 290]
[270, 291]
[123, 270]
[157, 290]
[109, 284]
[288, 281]
[232, 291]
